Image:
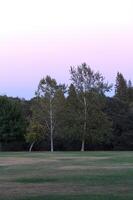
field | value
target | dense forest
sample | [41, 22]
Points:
[79, 116]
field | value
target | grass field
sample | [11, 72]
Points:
[66, 176]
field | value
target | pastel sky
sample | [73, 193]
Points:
[40, 37]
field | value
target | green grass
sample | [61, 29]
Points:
[84, 179]
[66, 176]
[75, 197]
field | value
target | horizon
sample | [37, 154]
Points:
[40, 38]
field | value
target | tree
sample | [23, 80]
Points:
[73, 119]
[34, 133]
[46, 98]
[12, 122]
[99, 126]
[121, 115]
[121, 87]
[85, 81]
[130, 92]
[60, 117]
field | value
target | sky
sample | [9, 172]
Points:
[46, 37]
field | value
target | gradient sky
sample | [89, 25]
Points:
[40, 37]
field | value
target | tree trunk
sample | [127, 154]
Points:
[83, 145]
[52, 145]
[31, 146]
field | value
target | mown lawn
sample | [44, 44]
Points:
[66, 176]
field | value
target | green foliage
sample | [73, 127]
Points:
[12, 122]
[121, 116]
[47, 87]
[73, 114]
[51, 101]
[35, 132]
[90, 87]
[64, 119]
[130, 92]
[121, 87]
[85, 80]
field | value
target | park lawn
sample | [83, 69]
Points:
[66, 176]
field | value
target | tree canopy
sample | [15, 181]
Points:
[79, 116]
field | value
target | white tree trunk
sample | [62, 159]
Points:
[52, 144]
[83, 145]
[31, 146]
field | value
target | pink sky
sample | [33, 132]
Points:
[28, 54]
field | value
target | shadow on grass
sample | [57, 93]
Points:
[89, 180]
[75, 197]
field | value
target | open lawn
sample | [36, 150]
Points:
[66, 176]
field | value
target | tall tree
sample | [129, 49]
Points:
[12, 122]
[121, 115]
[86, 80]
[46, 96]
[130, 92]
[121, 87]
[60, 115]
[73, 119]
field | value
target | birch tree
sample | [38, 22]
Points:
[35, 133]
[46, 95]
[85, 81]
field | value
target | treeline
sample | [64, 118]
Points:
[75, 117]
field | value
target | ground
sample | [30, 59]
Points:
[66, 176]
